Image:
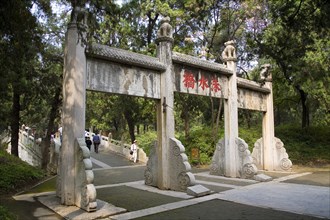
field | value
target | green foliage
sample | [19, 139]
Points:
[200, 137]
[250, 135]
[309, 146]
[16, 174]
[296, 40]
[5, 214]
[146, 141]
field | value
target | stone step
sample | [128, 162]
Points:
[225, 181]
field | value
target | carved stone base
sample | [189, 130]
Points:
[180, 177]
[85, 192]
[244, 163]
[280, 157]
[150, 174]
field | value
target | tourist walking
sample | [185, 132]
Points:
[88, 142]
[96, 142]
[134, 149]
[60, 131]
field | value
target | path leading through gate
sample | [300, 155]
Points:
[118, 181]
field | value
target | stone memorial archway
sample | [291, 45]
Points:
[112, 70]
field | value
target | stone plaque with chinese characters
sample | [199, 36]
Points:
[112, 77]
[251, 95]
[197, 81]
[252, 100]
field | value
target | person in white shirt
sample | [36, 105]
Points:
[60, 131]
[134, 149]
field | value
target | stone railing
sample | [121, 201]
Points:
[123, 149]
[30, 149]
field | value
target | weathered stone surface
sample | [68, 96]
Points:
[218, 159]
[191, 80]
[85, 192]
[150, 174]
[252, 100]
[262, 177]
[111, 77]
[180, 177]
[195, 62]
[104, 209]
[229, 53]
[73, 111]
[103, 52]
[243, 161]
[165, 112]
[280, 158]
[231, 114]
[198, 190]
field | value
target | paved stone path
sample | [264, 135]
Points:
[121, 183]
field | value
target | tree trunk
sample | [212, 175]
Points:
[186, 124]
[131, 124]
[305, 110]
[15, 124]
[217, 121]
[50, 129]
[151, 25]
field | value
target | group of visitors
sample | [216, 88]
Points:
[95, 141]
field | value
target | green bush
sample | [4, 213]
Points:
[309, 146]
[16, 174]
[5, 214]
[250, 135]
[305, 146]
[146, 141]
[200, 137]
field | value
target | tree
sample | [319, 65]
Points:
[20, 39]
[296, 32]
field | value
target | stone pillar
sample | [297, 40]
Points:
[268, 132]
[165, 116]
[231, 114]
[73, 112]
[269, 152]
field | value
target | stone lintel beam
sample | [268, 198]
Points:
[251, 85]
[124, 57]
[199, 63]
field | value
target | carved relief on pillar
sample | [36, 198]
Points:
[244, 162]
[85, 192]
[150, 174]
[180, 177]
[280, 157]
[218, 159]
[229, 53]
[246, 167]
